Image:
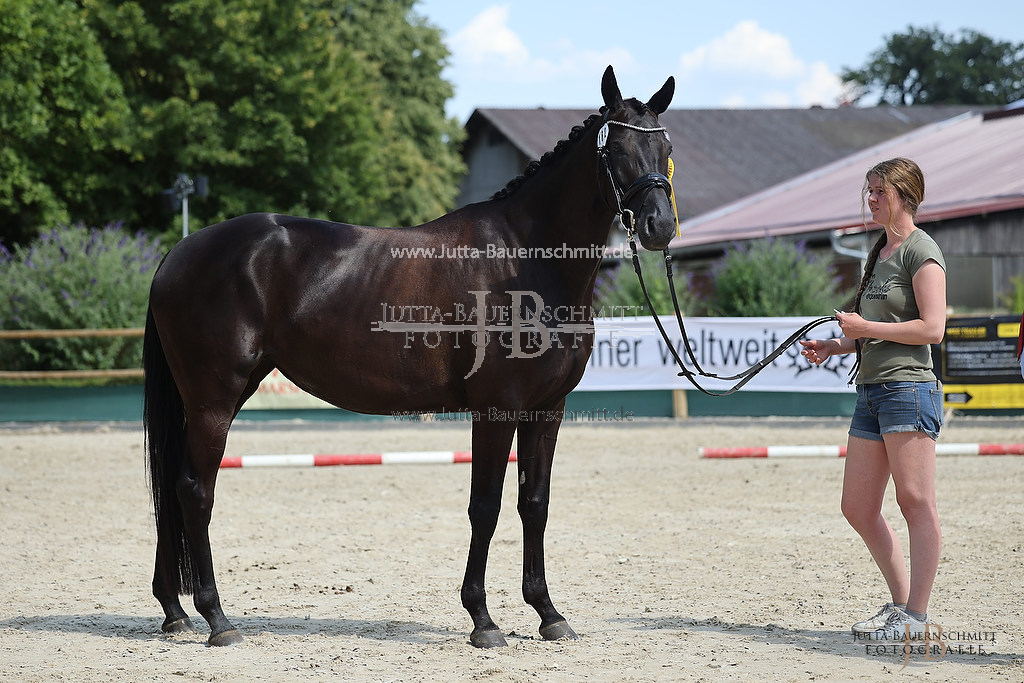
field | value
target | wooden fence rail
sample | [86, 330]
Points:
[56, 334]
[129, 373]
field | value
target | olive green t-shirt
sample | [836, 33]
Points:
[889, 297]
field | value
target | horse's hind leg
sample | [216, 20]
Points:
[166, 588]
[206, 438]
[491, 443]
[536, 452]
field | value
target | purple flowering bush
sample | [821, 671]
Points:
[76, 277]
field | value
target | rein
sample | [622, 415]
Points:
[644, 185]
[742, 377]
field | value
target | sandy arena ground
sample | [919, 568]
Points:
[669, 566]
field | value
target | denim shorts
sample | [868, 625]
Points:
[897, 407]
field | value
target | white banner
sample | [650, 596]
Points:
[630, 354]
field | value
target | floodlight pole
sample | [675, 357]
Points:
[178, 194]
[184, 216]
[183, 187]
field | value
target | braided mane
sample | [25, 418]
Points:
[560, 149]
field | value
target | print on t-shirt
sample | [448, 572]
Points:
[879, 291]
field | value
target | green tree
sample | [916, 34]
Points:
[407, 52]
[285, 105]
[925, 66]
[64, 121]
[255, 94]
[773, 277]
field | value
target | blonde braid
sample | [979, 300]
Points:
[869, 269]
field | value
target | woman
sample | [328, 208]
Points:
[900, 310]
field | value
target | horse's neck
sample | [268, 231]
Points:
[560, 215]
[564, 257]
[565, 206]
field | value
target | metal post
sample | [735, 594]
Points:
[184, 216]
[178, 194]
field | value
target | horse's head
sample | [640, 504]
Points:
[634, 154]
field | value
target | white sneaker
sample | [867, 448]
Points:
[900, 626]
[876, 622]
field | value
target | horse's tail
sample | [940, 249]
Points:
[163, 417]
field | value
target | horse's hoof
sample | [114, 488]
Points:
[183, 625]
[225, 638]
[490, 637]
[560, 630]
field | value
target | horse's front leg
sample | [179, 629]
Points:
[492, 441]
[536, 451]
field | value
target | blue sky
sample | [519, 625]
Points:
[731, 53]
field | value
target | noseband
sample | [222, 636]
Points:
[642, 186]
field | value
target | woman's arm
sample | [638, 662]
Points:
[930, 291]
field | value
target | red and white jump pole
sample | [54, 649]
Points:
[328, 460]
[774, 452]
[840, 451]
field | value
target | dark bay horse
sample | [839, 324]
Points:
[320, 301]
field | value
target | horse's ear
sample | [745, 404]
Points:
[659, 103]
[610, 90]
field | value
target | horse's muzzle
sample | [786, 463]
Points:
[655, 225]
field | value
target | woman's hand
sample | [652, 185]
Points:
[816, 351]
[852, 325]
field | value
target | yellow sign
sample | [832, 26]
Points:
[1011, 330]
[982, 396]
[980, 370]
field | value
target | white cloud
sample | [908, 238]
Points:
[734, 102]
[487, 37]
[749, 66]
[776, 98]
[491, 48]
[820, 86]
[588, 64]
[746, 48]
[493, 64]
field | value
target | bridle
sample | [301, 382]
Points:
[645, 185]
